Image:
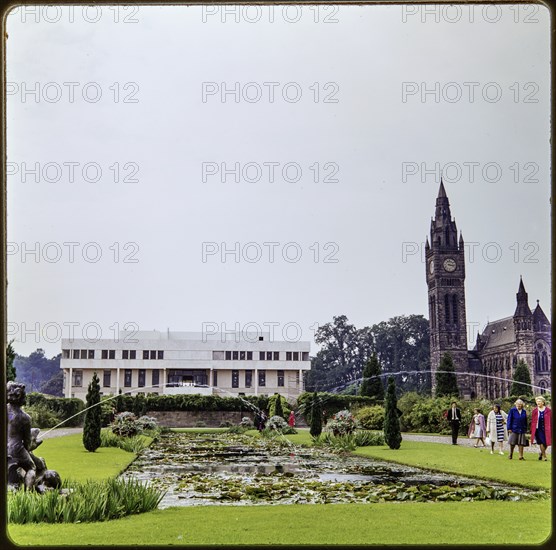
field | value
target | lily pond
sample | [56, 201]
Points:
[240, 469]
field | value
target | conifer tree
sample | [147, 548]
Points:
[92, 422]
[278, 410]
[521, 381]
[446, 380]
[392, 432]
[372, 383]
[316, 416]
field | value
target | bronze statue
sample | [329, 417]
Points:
[23, 466]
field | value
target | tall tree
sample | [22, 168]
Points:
[278, 410]
[521, 381]
[93, 416]
[10, 356]
[392, 431]
[316, 416]
[372, 382]
[446, 380]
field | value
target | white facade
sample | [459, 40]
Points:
[170, 363]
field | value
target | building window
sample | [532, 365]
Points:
[454, 309]
[133, 354]
[66, 353]
[215, 378]
[228, 356]
[261, 355]
[145, 354]
[242, 356]
[125, 354]
[106, 376]
[83, 354]
[112, 354]
[77, 378]
[76, 354]
[160, 354]
[269, 356]
[280, 378]
[218, 355]
[447, 308]
[141, 381]
[153, 354]
[305, 356]
[235, 379]
[276, 356]
[235, 355]
[297, 378]
[262, 378]
[91, 354]
[127, 378]
[261, 338]
[248, 378]
[296, 356]
[105, 354]
[288, 355]
[249, 356]
[155, 378]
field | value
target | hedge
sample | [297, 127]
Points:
[190, 403]
[63, 407]
[331, 403]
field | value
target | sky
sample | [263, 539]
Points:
[171, 167]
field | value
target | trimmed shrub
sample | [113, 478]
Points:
[92, 422]
[371, 418]
[42, 416]
[331, 403]
[315, 415]
[63, 407]
[392, 433]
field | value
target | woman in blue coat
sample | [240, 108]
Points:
[517, 428]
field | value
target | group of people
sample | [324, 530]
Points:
[511, 427]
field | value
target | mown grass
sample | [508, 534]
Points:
[69, 458]
[467, 461]
[342, 524]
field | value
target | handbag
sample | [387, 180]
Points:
[487, 441]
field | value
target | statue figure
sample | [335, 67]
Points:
[23, 466]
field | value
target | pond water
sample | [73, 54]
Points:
[200, 469]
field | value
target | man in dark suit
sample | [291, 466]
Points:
[454, 418]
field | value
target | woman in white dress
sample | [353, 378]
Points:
[496, 428]
[477, 428]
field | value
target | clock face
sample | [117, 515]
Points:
[449, 264]
[431, 267]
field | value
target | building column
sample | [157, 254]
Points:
[70, 380]
[163, 381]
[211, 379]
[300, 388]
[256, 382]
[117, 380]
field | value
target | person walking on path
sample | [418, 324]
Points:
[477, 428]
[496, 428]
[541, 426]
[517, 428]
[454, 418]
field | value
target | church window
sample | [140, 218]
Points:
[544, 360]
[447, 308]
[447, 234]
[454, 308]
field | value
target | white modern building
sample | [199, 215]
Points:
[226, 364]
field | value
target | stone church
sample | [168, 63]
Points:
[487, 369]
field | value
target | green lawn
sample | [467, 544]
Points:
[467, 461]
[458, 459]
[319, 524]
[69, 458]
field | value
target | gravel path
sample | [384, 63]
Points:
[59, 432]
[466, 442]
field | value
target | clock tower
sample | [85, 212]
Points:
[445, 267]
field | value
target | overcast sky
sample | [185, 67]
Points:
[147, 106]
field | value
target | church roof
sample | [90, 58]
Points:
[498, 333]
[540, 319]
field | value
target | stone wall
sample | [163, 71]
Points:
[189, 419]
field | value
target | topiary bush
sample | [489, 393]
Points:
[371, 418]
[42, 417]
